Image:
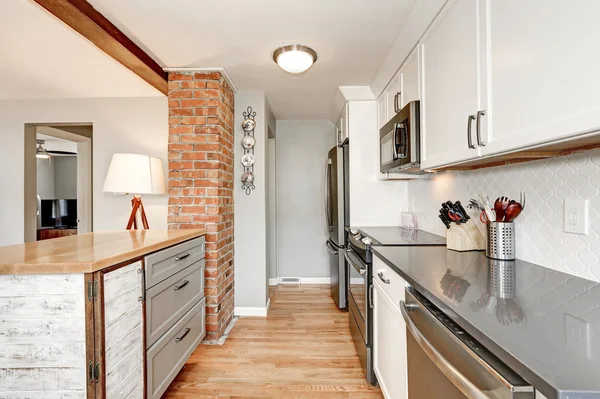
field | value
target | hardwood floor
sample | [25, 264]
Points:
[303, 349]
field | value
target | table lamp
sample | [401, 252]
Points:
[135, 174]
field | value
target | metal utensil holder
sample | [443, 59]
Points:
[501, 241]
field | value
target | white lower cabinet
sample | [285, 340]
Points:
[389, 343]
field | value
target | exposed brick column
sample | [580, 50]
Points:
[201, 180]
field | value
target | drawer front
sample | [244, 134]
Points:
[389, 281]
[170, 299]
[168, 355]
[162, 265]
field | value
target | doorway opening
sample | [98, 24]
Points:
[58, 181]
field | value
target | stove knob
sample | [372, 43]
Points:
[367, 241]
[353, 232]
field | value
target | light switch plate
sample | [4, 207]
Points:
[577, 216]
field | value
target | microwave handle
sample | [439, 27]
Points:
[394, 145]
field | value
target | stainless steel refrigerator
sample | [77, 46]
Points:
[337, 211]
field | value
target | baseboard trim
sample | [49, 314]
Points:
[301, 280]
[252, 312]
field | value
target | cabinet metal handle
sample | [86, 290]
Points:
[385, 280]
[187, 330]
[178, 287]
[469, 138]
[479, 115]
[396, 106]
[371, 296]
[182, 257]
[142, 274]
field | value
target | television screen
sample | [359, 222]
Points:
[59, 213]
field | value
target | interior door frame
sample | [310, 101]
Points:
[82, 134]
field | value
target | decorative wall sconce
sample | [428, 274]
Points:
[248, 143]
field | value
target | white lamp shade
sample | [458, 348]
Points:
[135, 174]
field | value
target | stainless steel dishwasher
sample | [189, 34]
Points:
[446, 362]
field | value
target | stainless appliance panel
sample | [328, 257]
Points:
[400, 141]
[358, 286]
[442, 365]
[337, 273]
[335, 196]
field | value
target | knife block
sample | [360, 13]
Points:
[465, 237]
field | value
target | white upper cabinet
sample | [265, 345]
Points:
[381, 110]
[392, 93]
[544, 74]
[451, 88]
[409, 79]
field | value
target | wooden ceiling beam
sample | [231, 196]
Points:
[87, 21]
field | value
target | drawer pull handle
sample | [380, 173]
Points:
[178, 287]
[182, 257]
[187, 330]
[385, 280]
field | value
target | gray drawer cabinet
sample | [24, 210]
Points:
[170, 299]
[168, 355]
[175, 311]
[162, 265]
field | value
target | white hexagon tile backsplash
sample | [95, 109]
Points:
[540, 233]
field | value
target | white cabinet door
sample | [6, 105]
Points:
[451, 87]
[381, 110]
[409, 78]
[390, 356]
[544, 73]
[392, 93]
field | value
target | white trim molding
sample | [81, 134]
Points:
[221, 70]
[252, 312]
[273, 281]
[302, 280]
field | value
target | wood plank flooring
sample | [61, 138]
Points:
[303, 349]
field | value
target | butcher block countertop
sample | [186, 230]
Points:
[88, 253]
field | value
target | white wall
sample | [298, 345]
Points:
[302, 147]
[65, 177]
[250, 220]
[45, 178]
[373, 202]
[137, 125]
[272, 207]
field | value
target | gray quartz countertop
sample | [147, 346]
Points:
[542, 323]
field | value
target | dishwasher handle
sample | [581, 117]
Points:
[455, 376]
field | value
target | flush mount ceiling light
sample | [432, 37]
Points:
[40, 152]
[295, 58]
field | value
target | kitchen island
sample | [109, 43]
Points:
[543, 324]
[97, 315]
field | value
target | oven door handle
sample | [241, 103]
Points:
[331, 249]
[359, 269]
[455, 376]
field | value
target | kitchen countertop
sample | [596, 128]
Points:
[87, 253]
[395, 235]
[534, 324]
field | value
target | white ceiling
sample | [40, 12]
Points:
[351, 37]
[41, 57]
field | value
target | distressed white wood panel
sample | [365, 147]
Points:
[42, 354]
[137, 393]
[42, 336]
[128, 386]
[124, 336]
[121, 280]
[36, 330]
[43, 394]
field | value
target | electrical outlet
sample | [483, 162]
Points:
[578, 336]
[577, 216]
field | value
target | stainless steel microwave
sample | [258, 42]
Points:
[400, 141]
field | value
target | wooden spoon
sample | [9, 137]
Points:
[500, 206]
[512, 212]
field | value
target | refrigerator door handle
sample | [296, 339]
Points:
[328, 196]
[331, 249]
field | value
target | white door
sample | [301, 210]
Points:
[409, 78]
[390, 356]
[450, 92]
[545, 71]
[392, 93]
[382, 110]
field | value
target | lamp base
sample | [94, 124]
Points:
[137, 206]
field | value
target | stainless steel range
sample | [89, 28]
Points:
[359, 258]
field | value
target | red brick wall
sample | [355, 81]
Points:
[201, 180]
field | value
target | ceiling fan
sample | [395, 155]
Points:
[42, 153]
